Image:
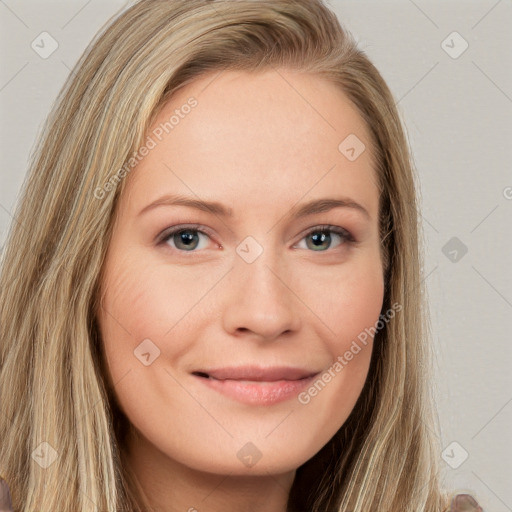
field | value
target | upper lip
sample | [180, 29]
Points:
[257, 373]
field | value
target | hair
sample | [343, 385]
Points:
[53, 380]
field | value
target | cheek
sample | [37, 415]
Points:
[358, 304]
[136, 311]
[129, 313]
[349, 306]
[144, 301]
[351, 310]
[137, 301]
[347, 299]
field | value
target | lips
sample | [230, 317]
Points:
[256, 373]
[255, 385]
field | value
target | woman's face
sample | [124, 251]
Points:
[252, 292]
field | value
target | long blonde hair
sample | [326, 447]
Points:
[53, 386]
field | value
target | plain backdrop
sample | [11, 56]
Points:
[449, 67]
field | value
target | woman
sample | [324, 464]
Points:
[261, 372]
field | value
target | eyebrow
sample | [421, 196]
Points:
[303, 210]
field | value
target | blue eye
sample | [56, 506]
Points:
[187, 239]
[322, 236]
[184, 238]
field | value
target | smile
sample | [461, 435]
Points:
[257, 386]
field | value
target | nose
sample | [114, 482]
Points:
[260, 302]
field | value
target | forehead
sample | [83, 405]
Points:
[257, 137]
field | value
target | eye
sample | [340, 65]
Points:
[318, 239]
[321, 237]
[184, 238]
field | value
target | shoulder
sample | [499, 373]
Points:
[465, 503]
[5, 497]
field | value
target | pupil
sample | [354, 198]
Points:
[321, 238]
[185, 237]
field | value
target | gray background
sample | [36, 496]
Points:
[457, 112]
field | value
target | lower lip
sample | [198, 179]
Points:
[258, 393]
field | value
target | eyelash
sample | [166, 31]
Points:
[345, 235]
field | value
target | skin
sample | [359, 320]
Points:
[260, 144]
